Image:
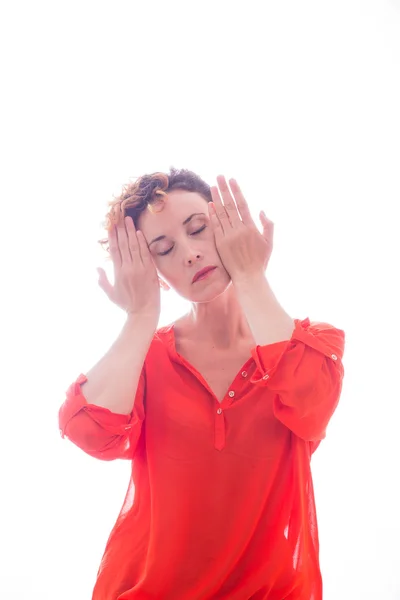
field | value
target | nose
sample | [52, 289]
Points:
[190, 252]
[193, 257]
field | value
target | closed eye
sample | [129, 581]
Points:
[194, 233]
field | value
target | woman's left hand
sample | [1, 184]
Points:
[243, 250]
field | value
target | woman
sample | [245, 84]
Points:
[219, 412]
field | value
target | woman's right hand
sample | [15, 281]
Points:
[136, 287]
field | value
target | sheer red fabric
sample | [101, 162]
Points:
[220, 503]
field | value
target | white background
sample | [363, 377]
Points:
[297, 100]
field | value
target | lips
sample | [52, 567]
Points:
[202, 272]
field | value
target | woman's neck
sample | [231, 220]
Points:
[220, 322]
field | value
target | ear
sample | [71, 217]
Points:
[163, 284]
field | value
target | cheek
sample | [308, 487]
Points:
[211, 237]
[168, 274]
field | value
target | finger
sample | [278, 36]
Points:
[122, 237]
[215, 223]
[104, 283]
[220, 211]
[268, 227]
[114, 248]
[144, 250]
[229, 202]
[264, 218]
[241, 203]
[265, 221]
[133, 239]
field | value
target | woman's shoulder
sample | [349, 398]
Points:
[178, 327]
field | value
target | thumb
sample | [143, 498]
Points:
[103, 281]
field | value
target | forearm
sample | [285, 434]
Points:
[268, 321]
[113, 381]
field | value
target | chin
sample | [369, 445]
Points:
[203, 293]
[209, 293]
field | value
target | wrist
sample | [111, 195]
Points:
[246, 280]
[141, 319]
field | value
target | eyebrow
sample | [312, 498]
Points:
[162, 237]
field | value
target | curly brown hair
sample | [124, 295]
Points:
[147, 192]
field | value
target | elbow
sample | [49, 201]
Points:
[85, 433]
[308, 417]
[97, 441]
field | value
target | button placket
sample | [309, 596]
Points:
[219, 429]
[220, 421]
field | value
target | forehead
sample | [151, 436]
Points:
[178, 205]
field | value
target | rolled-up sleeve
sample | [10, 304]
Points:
[306, 375]
[98, 431]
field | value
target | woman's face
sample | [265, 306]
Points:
[187, 245]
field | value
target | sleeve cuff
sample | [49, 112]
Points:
[112, 422]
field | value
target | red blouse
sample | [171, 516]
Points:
[220, 503]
